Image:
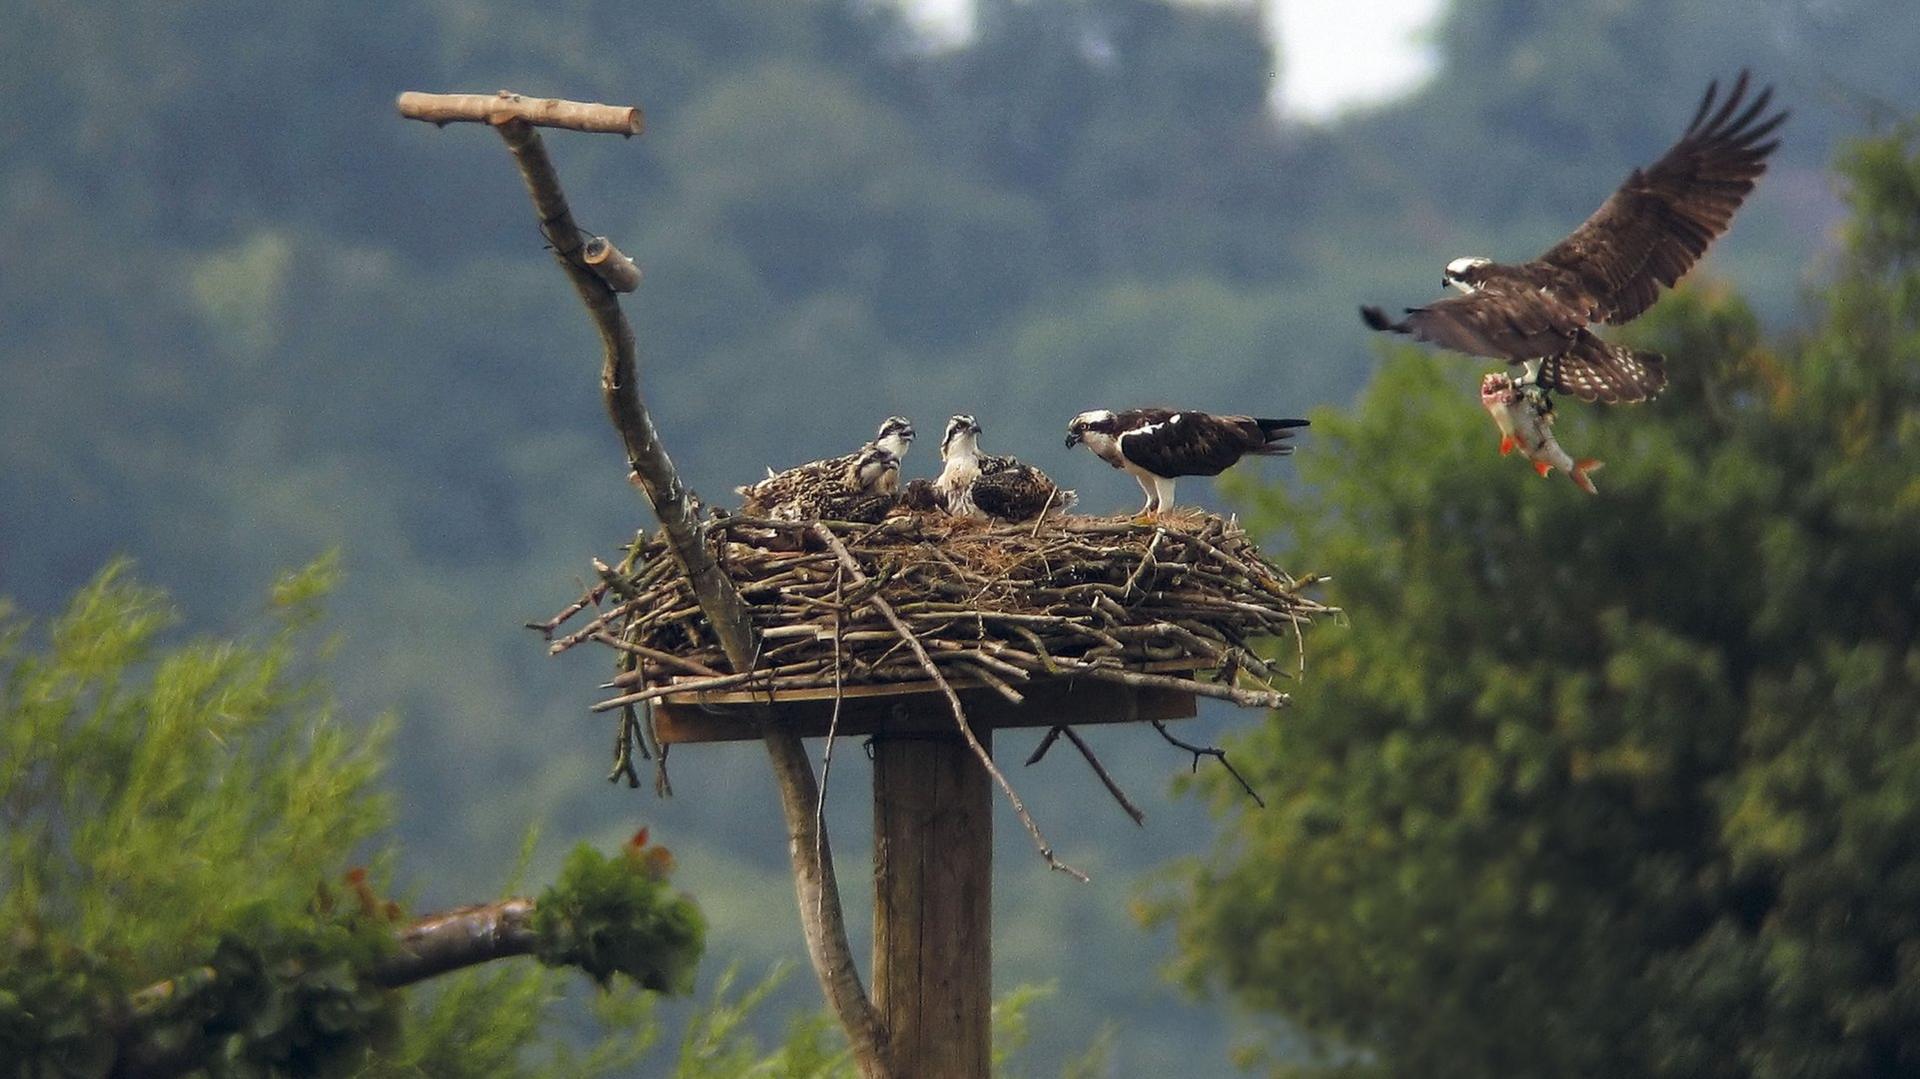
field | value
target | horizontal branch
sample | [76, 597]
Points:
[430, 946]
[457, 939]
[499, 108]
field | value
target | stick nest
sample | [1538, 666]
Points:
[1138, 603]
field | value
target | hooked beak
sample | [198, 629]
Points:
[1073, 439]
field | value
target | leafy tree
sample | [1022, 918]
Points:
[1625, 785]
[173, 813]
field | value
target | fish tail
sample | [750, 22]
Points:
[1581, 468]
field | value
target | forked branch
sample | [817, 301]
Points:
[653, 472]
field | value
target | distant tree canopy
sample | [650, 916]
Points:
[247, 315]
[1626, 785]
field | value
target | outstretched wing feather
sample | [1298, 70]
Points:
[1652, 230]
[1503, 320]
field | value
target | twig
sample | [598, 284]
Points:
[833, 721]
[1100, 770]
[1044, 507]
[1039, 751]
[1217, 754]
[1145, 561]
[953, 701]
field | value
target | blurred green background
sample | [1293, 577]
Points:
[248, 316]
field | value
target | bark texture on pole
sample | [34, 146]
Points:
[932, 915]
[653, 472]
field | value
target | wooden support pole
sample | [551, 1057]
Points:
[932, 912]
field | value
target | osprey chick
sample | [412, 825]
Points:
[1645, 237]
[1155, 445]
[975, 484]
[788, 488]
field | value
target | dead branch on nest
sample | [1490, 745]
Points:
[712, 591]
[852, 567]
[1099, 769]
[1138, 605]
[1217, 754]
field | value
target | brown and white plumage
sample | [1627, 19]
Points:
[1157, 445]
[975, 484]
[809, 482]
[864, 490]
[1646, 236]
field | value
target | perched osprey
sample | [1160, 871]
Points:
[862, 491]
[782, 488]
[1155, 445]
[1648, 234]
[866, 491]
[975, 484]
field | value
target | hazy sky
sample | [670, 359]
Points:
[1337, 53]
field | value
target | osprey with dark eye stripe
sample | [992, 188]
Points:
[852, 486]
[975, 484]
[1612, 268]
[1155, 445]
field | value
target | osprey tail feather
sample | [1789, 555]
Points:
[1275, 434]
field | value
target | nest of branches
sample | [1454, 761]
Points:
[1180, 602]
[930, 600]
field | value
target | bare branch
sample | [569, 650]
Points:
[506, 106]
[1217, 754]
[654, 473]
[1112, 785]
[886, 610]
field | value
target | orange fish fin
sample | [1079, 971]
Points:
[1542, 467]
[1580, 470]
[1507, 444]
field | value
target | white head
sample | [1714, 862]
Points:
[962, 437]
[895, 435]
[1098, 428]
[1462, 273]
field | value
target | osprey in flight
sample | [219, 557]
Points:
[1156, 445]
[975, 484]
[1647, 235]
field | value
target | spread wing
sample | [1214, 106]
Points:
[1191, 444]
[1504, 319]
[1653, 229]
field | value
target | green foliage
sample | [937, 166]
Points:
[170, 809]
[1621, 785]
[1086, 203]
[617, 915]
[285, 993]
[719, 1043]
[137, 776]
[53, 999]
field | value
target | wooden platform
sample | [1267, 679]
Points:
[918, 708]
